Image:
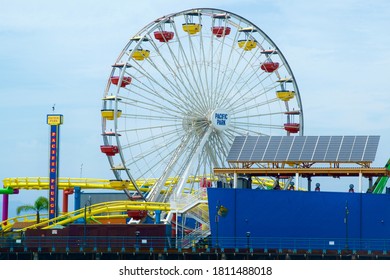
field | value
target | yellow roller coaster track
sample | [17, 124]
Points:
[41, 183]
[97, 210]
[94, 212]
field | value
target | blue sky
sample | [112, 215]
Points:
[60, 52]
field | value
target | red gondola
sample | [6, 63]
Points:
[205, 183]
[125, 81]
[292, 113]
[137, 214]
[164, 36]
[221, 31]
[292, 127]
[109, 150]
[269, 52]
[269, 66]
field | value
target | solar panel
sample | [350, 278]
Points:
[236, 148]
[284, 148]
[371, 147]
[321, 148]
[303, 149]
[261, 146]
[308, 148]
[346, 148]
[272, 148]
[296, 148]
[248, 147]
[333, 148]
[358, 148]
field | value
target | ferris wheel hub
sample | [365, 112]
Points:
[220, 119]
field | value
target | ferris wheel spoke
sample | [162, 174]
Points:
[253, 73]
[210, 155]
[173, 87]
[255, 125]
[154, 82]
[146, 128]
[219, 84]
[152, 168]
[225, 147]
[228, 139]
[226, 80]
[148, 117]
[169, 81]
[246, 96]
[158, 94]
[277, 70]
[234, 131]
[204, 66]
[233, 85]
[267, 126]
[153, 150]
[215, 69]
[258, 115]
[240, 107]
[151, 139]
[194, 80]
[197, 62]
[211, 58]
[160, 149]
[176, 74]
[217, 150]
[247, 83]
[181, 73]
[154, 195]
[144, 90]
[150, 105]
[200, 143]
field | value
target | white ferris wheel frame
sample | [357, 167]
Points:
[201, 98]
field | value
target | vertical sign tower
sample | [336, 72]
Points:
[54, 120]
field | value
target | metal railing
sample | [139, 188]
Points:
[128, 243]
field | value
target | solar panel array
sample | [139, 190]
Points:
[303, 149]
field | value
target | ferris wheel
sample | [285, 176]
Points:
[180, 91]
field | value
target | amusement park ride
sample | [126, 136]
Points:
[179, 93]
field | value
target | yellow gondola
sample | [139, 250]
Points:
[192, 28]
[109, 114]
[141, 54]
[285, 95]
[247, 45]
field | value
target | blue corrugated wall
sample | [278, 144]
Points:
[327, 219]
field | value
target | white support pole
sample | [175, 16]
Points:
[360, 182]
[297, 180]
[176, 229]
[235, 180]
[193, 160]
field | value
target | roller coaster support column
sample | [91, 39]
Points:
[157, 217]
[65, 200]
[5, 207]
[235, 180]
[77, 198]
[5, 204]
[369, 182]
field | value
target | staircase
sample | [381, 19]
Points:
[193, 205]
